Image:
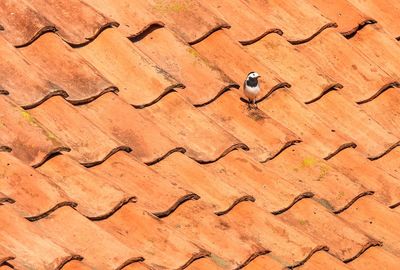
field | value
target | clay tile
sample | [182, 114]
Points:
[317, 175]
[202, 79]
[346, 15]
[310, 217]
[204, 140]
[76, 265]
[125, 66]
[376, 220]
[76, 22]
[129, 125]
[70, 229]
[265, 136]
[25, 84]
[243, 173]
[89, 145]
[323, 260]
[192, 176]
[30, 245]
[154, 192]
[246, 24]
[264, 262]
[81, 81]
[22, 22]
[385, 184]
[28, 139]
[299, 21]
[189, 19]
[376, 256]
[150, 235]
[35, 197]
[268, 231]
[218, 237]
[96, 197]
[384, 12]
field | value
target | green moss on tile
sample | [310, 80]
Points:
[326, 204]
[165, 6]
[28, 117]
[309, 162]
[304, 222]
[219, 261]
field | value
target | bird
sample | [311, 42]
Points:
[251, 88]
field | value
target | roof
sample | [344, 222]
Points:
[125, 142]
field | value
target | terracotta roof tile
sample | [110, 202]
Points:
[79, 79]
[76, 24]
[124, 65]
[384, 13]
[125, 143]
[34, 248]
[373, 257]
[323, 260]
[83, 137]
[24, 136]
[203, 81]
[155, 193]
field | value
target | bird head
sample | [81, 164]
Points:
[253, 75]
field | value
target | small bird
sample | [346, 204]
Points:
[251, 88]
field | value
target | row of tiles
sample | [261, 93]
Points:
[34, 122]
[81, 21]
[119, 126]
[231, 236]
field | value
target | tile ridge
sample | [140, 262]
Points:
[118, 206]
[53, 29]
[179, 202]
[170, 152]
[351, 33]
[77, 102]
[4, 200]
[92, 38]
[319, 31]
[49, 95]
[349, 204]
[384, 153]
[218, 27]
[305, 195]
[68, 259]
[6, 260]
[4, 148]
[252, 257]
[168, 90]
[371, 243]
[197, 256]
[268, 32]
[326, 90]
[64, 94]
[53, 153]
[130, 262]
[73, 205]
[383, 89]
[147, 29]
[308, 257]
[38, 34]
[340, 149]
[220, 93]
[226, 152]
[123, 148]
[246, 198]
[283, 148]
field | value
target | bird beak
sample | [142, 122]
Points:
[258, 76]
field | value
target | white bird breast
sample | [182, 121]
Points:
[251, 92]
